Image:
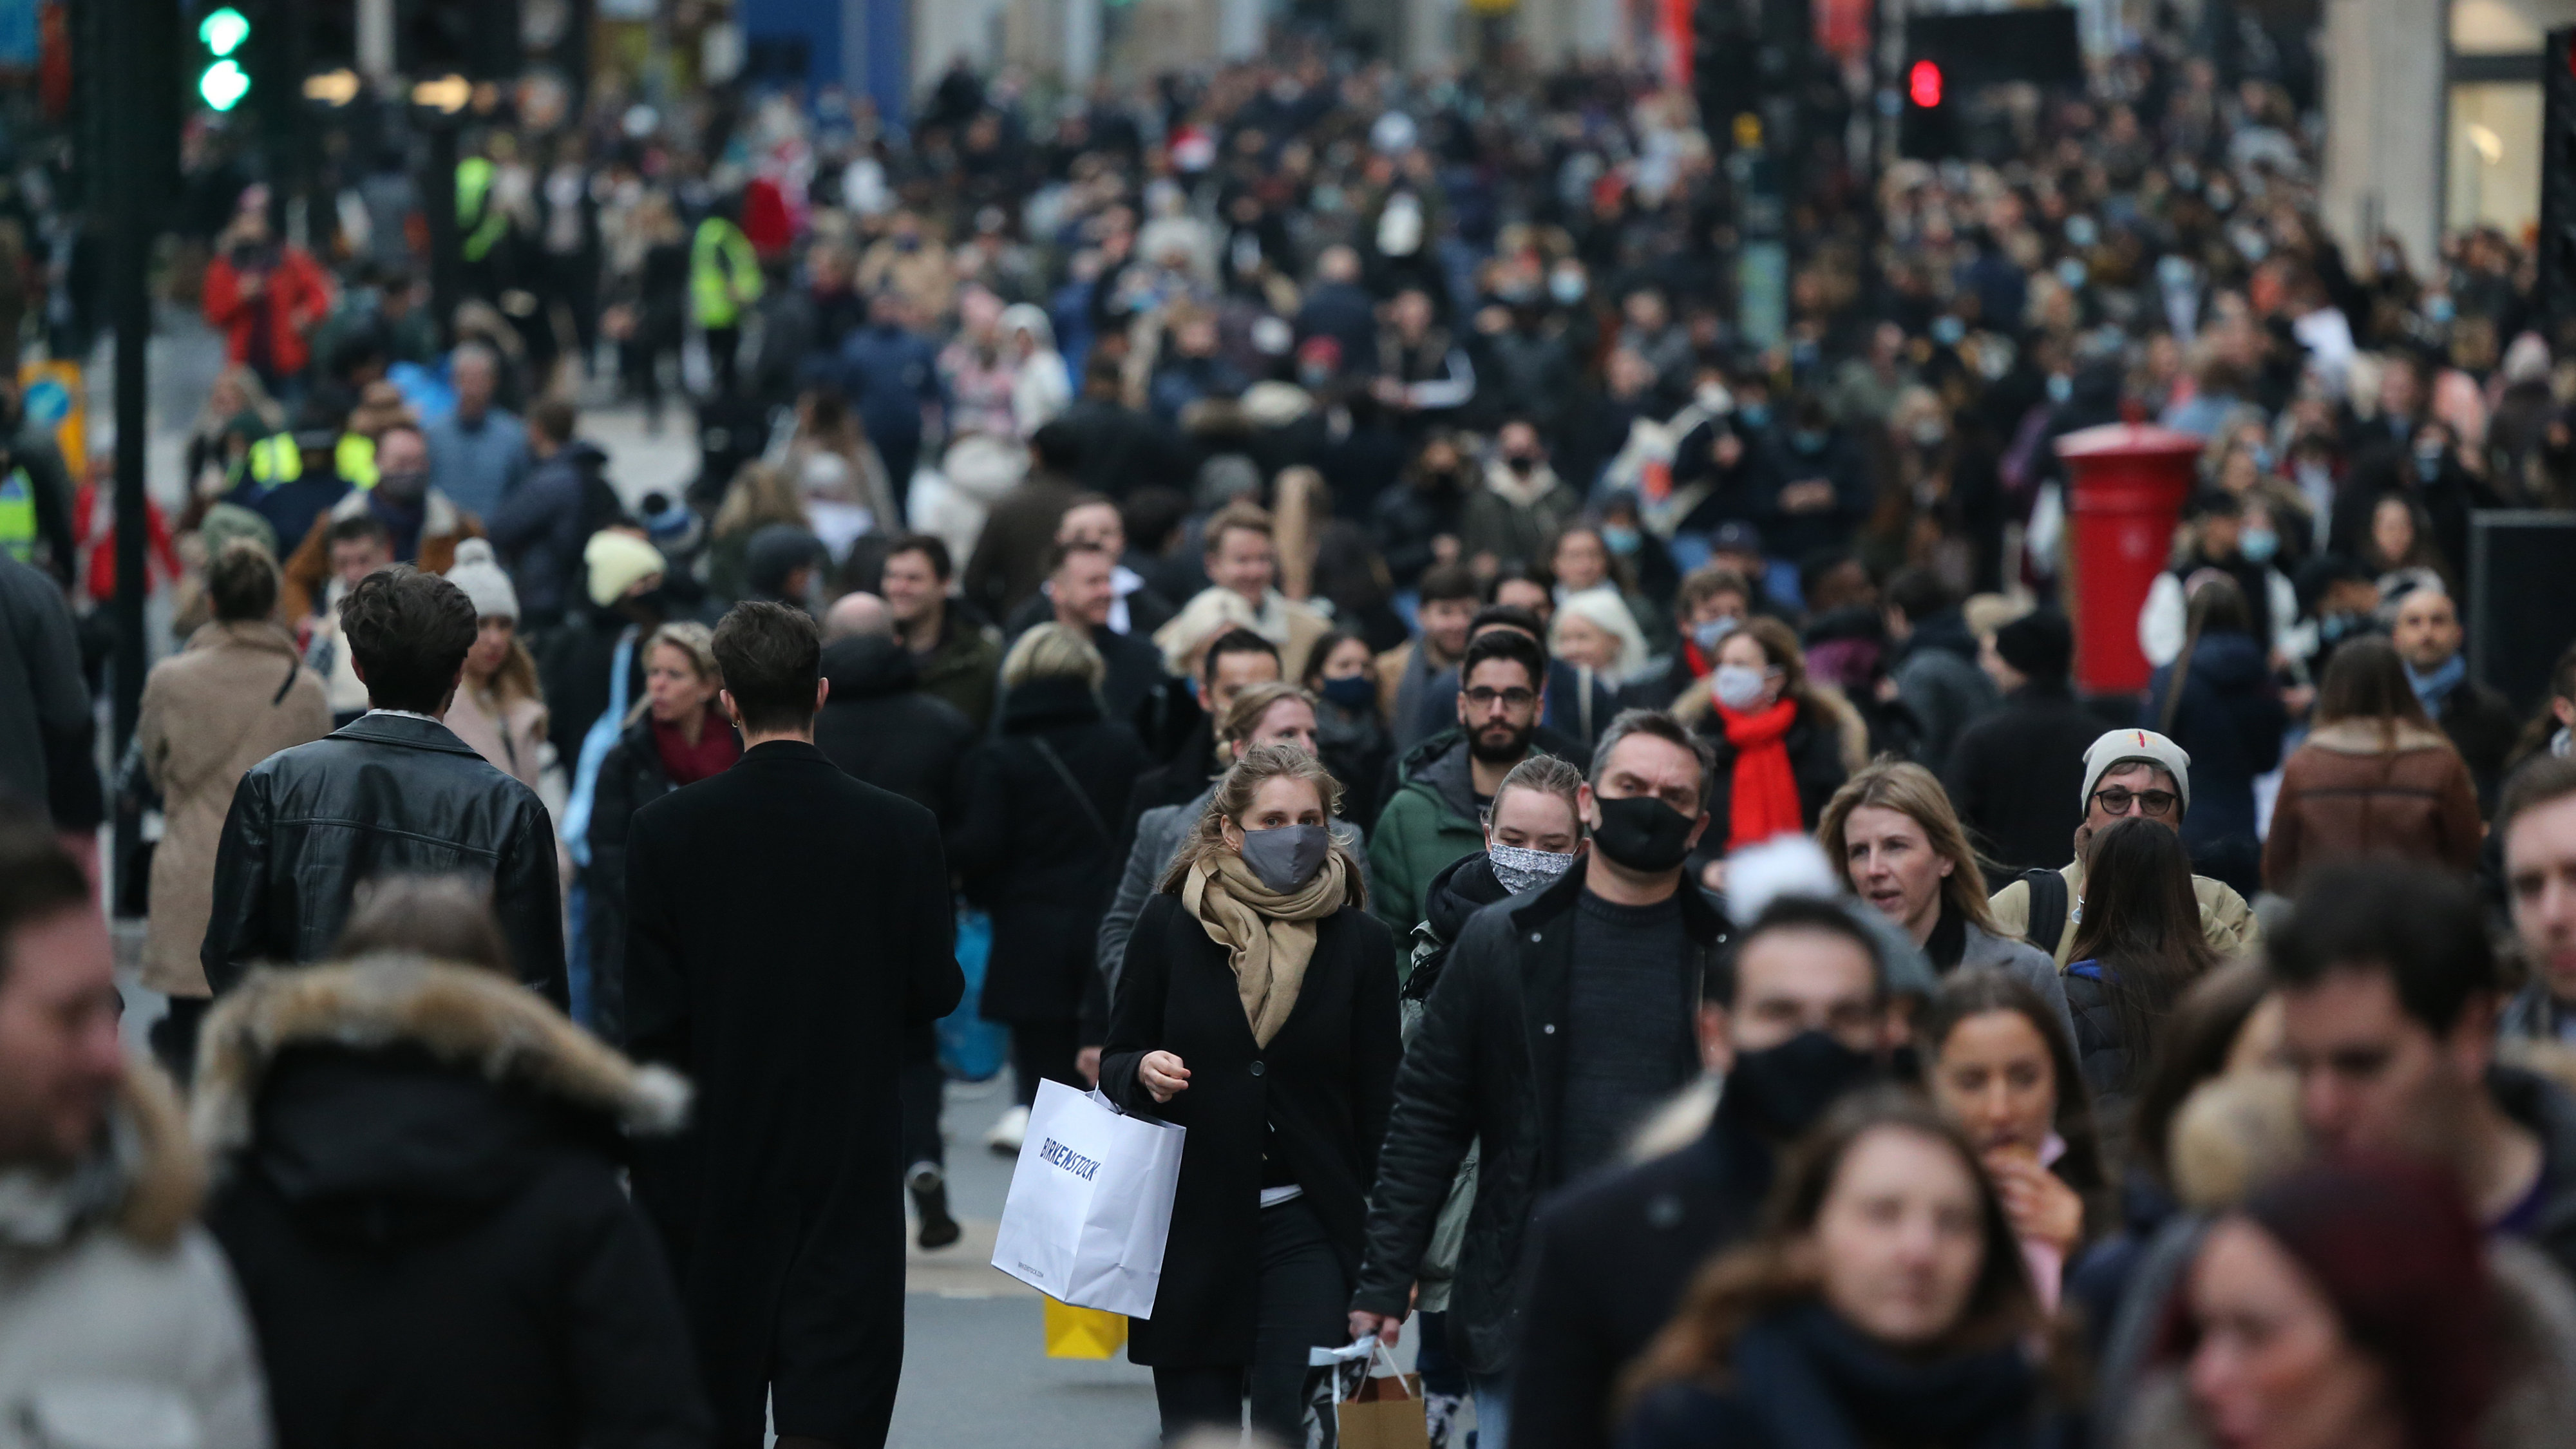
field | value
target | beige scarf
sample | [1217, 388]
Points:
[1268, 937]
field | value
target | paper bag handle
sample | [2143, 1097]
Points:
[1367, 1348]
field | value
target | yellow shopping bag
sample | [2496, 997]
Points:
[1083, 1332]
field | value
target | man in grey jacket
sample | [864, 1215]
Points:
[116, 1309]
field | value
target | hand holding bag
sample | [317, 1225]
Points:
[1090, 1203]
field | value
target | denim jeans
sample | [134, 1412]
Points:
[1493, 1393]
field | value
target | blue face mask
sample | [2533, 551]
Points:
[2071, 271]
[1807, 442]
[1353, 692]
[1949, 331]
[1566, 287]
[2174, 272]
[1754, 415]
[1713, 633]
[2258, 544]
[2060, 387]
[1621, 541]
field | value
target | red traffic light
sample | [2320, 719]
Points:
[1923, 84]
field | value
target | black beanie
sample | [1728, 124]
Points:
[2040, 645]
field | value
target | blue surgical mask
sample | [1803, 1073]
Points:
[1807, 441]
[2174, 271]
[2081, 232]
[2428, 460]
[2072, 272]
[1737, 686]
[1566, 287]
[2439, 309]
[2258, 544]
[2060, 387]
[1713, 633]
[1620, 540]
[1949, 331]
[1754, 415]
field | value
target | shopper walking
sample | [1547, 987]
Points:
[676, 735]
[1885, 1304]
[395, 791]
[2136, 951]
[2375, 776]
[1260, 923]
[785, 924]
[500, 708]
[1034, 842]
[421, 1197]
[235, 696]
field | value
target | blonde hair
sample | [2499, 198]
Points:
[1233, 797]
[1052, 651]
[1912, 791]
[759, 495]
[1547, 775]
[695, 640]
[1243, 716]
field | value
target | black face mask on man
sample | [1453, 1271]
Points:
[1643, 833]
[1789, 1086]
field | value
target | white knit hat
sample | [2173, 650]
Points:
[2126, 747]
[480, 575]
[617, 562]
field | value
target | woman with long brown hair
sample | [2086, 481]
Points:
[1884, 1303]
[1255, 1009]
[2217, 701]
[1897, 844]
[2375, 776]
[2137, 949]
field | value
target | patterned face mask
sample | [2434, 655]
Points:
[1521, 869]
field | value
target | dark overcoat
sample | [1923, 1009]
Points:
[1326, 1083]
[785, 924]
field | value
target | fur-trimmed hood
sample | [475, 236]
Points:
[459, 1016]
[2365, 737]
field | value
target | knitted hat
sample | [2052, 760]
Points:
[2040, 645]
[227, 521]
[618, 562]
[480, 576]
[2133, 747]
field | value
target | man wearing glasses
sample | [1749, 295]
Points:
[1435, 816]
[2126, 772]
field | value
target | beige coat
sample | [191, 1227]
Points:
[509, 738]
[234, 697]
[2226, 922]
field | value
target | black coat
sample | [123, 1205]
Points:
[1319, 1093]
[1487, 1062]
[432, 1259]
[1612, 1256]
[786, 923]
[2016, 776]
[1806, 1380]
[2484, 728]
[631, 775]
[879, 727]
[1041, 860]
[387, 793]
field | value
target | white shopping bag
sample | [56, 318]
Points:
[1090, 1203]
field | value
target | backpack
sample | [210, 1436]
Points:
[2048, 902]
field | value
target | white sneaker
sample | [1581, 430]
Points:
[1009, 1131]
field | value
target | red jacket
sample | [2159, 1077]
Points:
[94, 520]
[296, 298]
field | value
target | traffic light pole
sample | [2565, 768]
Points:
[438, 205]
[128, 164]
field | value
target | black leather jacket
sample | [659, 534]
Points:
[388, 794]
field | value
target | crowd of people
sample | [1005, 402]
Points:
[1579, 807]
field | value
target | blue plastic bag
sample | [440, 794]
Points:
[972, 1049]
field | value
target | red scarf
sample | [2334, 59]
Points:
[1764, 800]
[713, 754]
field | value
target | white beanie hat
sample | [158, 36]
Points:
[2126, 747]
[618, 562]
[480, 576]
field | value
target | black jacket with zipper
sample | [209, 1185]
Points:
[384, 794]
[1487, 1063]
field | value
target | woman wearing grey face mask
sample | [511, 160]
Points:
[1256, 1010]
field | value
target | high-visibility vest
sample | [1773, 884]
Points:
[724, 273]
[354, 458]
[18, 515]
[484, 230]
[273, 460]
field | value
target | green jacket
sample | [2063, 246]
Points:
[1430, 822]
[724, 273]
[964, 668]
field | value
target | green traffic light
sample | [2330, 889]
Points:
[223, 31]
[223, 85]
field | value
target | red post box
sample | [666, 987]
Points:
[2126, 486]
